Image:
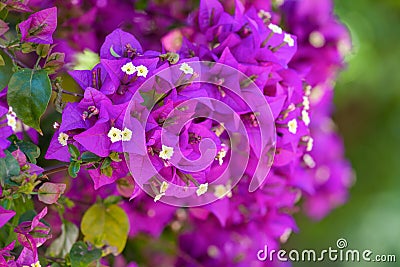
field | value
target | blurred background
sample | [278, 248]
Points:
[368, 117]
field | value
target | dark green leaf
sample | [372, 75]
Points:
[6, 71]
[74, 151]
[74, 168]
[89, 157]
[29, 93]
[81, 256]
[8, 167]
[63, 244]
[31, 150]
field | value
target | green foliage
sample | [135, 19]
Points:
[74, 168]
[9, 167]
[6, 70]
[63, 244]
[29, 94]
[81, 256]
[106, 225]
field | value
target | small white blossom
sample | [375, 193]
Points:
[11, 112]
[126, 134]
[164, 186]
[316, 39]
[305, 117]
[158, 197]
[186, 68]
[36, 264]
[11, 121]
[309, 161]
[306, 103]
[275, 28]
[262, 14]
[56, 125]
[310, 144]
[292, 125]
[289, 40]
[142, 71]
[202, 189]
[129, 68]
[63, 138]
[221, 191]
[221, 155]
[166, 152]
[115, 134]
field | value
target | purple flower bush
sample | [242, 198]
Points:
[201, 128]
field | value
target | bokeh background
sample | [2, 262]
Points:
[368, 117]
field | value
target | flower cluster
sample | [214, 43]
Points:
[134, 139]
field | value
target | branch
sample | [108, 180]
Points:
[61, 168]
[13, 57]
[59, 88]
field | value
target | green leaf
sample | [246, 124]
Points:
[89, 157]
[113, 53]
[29, 94]
[114, 156]
[42, 50]
[150, 98]
[106, 225]
[63, 244]
[2, 62]
[112, 200]
[81, 256]
[108, 171]
[8, 167]
[106, 163]
[74, 151]
[31, 150]
[74, 168]
[6, 71]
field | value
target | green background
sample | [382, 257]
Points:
[368, 115]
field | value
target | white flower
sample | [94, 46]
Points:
[292, 125]
[306, 103]
[316, 39]
[63, 138]
[11, 112]
[221, 155]
[164, 186]
[275, 28]
[289, 40]
[202, 189]
[262, 14]
[186, 68]
[11, 121]
[115, 134]
[305, 117]
[309, 161]
[310, 144]
[166, 152]
[128, 68]
[36, 264]
[158, 197]
[126, 134]
[221, 190]
[56, 125]
[142, 71]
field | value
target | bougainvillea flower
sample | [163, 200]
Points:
[39, 27]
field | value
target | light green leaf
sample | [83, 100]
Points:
[74, 151]
[63, 244]
[29, 94]
[81, 256]
[106, 225]
[113, 53]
